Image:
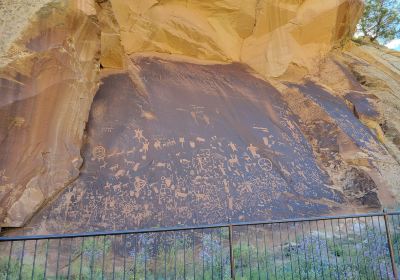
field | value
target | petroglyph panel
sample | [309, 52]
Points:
[343, 117]
[221, 144]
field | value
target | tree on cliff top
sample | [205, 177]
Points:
[381, 20]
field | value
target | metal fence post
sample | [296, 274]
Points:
[390, 245]
[231, 258]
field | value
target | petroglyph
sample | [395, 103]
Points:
[179, 169]
[253, 150]
[139, 135]
[265, 164]
[99, 152]
[233, 147]
[157, 145]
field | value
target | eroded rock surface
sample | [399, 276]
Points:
[45, 101]
[266, 35]
[201, 144]
[207, 111]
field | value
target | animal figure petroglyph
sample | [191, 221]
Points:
[114, 167]
[129, 162]
[169, 143]
[119, 173]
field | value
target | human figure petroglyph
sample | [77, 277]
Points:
[253, 150]
[139, 135]
[233, 147]
[145, 147]
[222, 169]
[181, 141]
[157, 145]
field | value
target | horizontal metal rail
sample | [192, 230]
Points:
[355, 246]
[187, 228]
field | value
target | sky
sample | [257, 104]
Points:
[395, 44]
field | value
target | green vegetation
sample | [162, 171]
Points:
[381, 20]
[354, 254]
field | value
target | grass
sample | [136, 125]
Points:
[310, 256]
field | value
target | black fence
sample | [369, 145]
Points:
[341, 247]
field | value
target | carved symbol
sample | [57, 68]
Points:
[181, 141]
[233, 147]
[201, 140]
[139, 135]
[157, 144]
[17, 122]
[265, 164]
[233, 160]
[107, 129]
[99, 152]
[145, 147]
[253, 150]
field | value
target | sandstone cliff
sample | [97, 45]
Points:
[192, 112]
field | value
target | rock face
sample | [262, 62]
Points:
[193, 154]
[206, 111]
[45, 100]
[267, 35]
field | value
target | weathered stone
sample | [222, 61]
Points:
[188, 125]
[266, 35]
[46, 97]
[360, 188]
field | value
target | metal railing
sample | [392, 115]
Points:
[341, 247]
